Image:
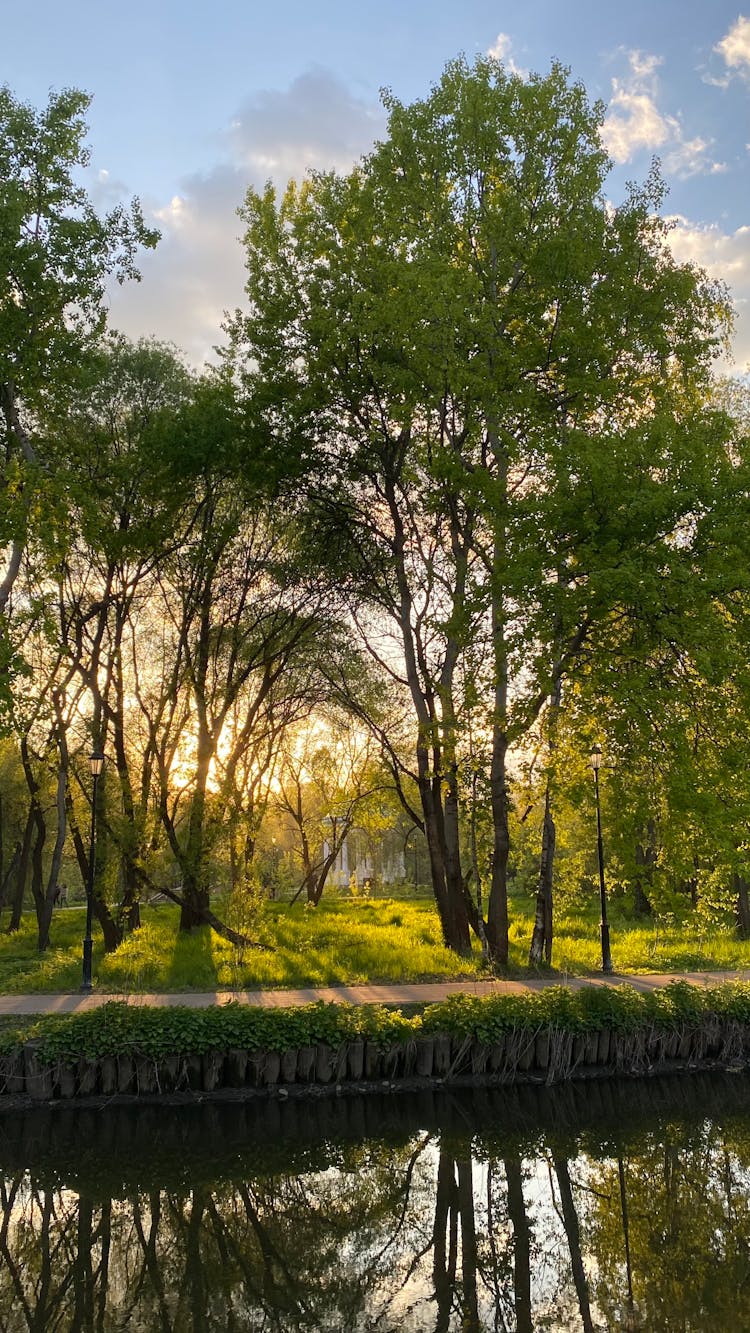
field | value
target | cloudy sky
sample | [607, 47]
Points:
[196, 99]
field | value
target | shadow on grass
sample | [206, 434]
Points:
[192, 965]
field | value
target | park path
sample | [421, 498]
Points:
[418, 993]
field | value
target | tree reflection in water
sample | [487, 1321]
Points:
[592, 1209]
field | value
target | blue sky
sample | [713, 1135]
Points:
[195, 101]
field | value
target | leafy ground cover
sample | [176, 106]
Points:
[347, 942]
[118, 1028]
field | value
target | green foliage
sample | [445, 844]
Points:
[56, 257]
[618, 1008]
[55, 251]
[122, 1029]
[515, 381]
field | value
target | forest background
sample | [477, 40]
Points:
[464, 497]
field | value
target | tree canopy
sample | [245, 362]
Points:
[465, 482]
[504, 381]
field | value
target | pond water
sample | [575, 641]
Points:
[600, 1206]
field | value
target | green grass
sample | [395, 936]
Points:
[337, 943]
[638, 945]
[345, 942]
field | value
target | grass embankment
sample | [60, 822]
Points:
[344, 942]
[119, 1029]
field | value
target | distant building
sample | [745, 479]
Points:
[380, 860]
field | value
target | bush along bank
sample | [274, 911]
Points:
[548, 1036]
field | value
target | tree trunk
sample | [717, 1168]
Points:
[130, 912]
[573, 1233]
[541, 938]
[742, 906]
[195, 890]
[645, 858]
[444, 1239]
[105, 1249]
[454, 921]
[43, 898]
[37, 879]
[15, 430]
[458, 916]
[465, 1192]
[111, 929]
[10, 874]
[195, 1281]
[45, 919]
[81, 1268]
[497, 908]
[195, 899]
[521, 1245]
[22, 875]
[447, 883]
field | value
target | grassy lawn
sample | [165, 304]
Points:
[637, 945]
[343, 942]
[336, 943]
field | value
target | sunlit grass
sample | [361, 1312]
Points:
[343, 942]
[335, 944]
[649, 945]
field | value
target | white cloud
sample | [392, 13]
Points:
[502, 50]
[104, 190]
[643, 67]
[724, 255]
[633, 121]
[735, 47]
[689, 158]
[635, 124]
[197, 271]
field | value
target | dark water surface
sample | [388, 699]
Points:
[605, 1205]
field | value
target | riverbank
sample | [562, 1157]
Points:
[551, 1035]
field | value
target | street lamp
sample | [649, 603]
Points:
[96, 764]
[596, 760]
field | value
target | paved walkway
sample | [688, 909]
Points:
[422, 993]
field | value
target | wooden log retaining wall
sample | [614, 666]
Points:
[546, 1055]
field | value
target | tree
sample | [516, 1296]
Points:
[56, 256]
[509, 377]
[327, 777]
[118, 513]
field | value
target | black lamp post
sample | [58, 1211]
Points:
[96, 764]
[596, 760]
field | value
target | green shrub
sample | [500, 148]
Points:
[118, 1028]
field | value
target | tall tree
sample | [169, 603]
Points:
[56, 256]
[120, 512]
[509, 375]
